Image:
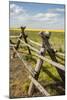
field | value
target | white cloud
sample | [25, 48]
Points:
[59, 10]
[49, 19]
[56, 10]
[16, 10]
[51, 15]
[45, 16]
[39, 15]
[12, 6]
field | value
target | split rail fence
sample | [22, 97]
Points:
[45, 46]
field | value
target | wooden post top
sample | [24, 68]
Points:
[45, 34]
[24, 34]
[23, 28]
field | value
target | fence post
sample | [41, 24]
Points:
[37, 68]
[17, 45]
[25, 38]
[22, 35]
[51, 53]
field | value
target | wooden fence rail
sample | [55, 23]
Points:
[14, 36]
[61, 54]
[32, 72]
[51, 62]
[32, 48]
[38, 44]
[12, 45]
[39, 87]
[45, 46]
[45, 59]
[29, 68]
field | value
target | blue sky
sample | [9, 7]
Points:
[37, 16]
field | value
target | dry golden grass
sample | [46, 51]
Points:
[30, 29]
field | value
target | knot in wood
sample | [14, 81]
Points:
[42, 51]
[34, 73]
[55, 50]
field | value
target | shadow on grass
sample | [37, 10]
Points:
[30, 58]
[50, 74]
[57, 86]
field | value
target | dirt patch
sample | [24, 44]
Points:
[18, 77]
[19, 81]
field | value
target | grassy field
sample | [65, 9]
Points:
[48, 74]
[56, 39]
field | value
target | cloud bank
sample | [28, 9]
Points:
[52, 19]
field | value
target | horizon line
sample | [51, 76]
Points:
[31, 29]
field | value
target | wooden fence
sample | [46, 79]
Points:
[45, 46]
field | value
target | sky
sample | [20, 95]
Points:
[36, 15]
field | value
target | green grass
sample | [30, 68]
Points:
[56, 39]
[48, 72]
